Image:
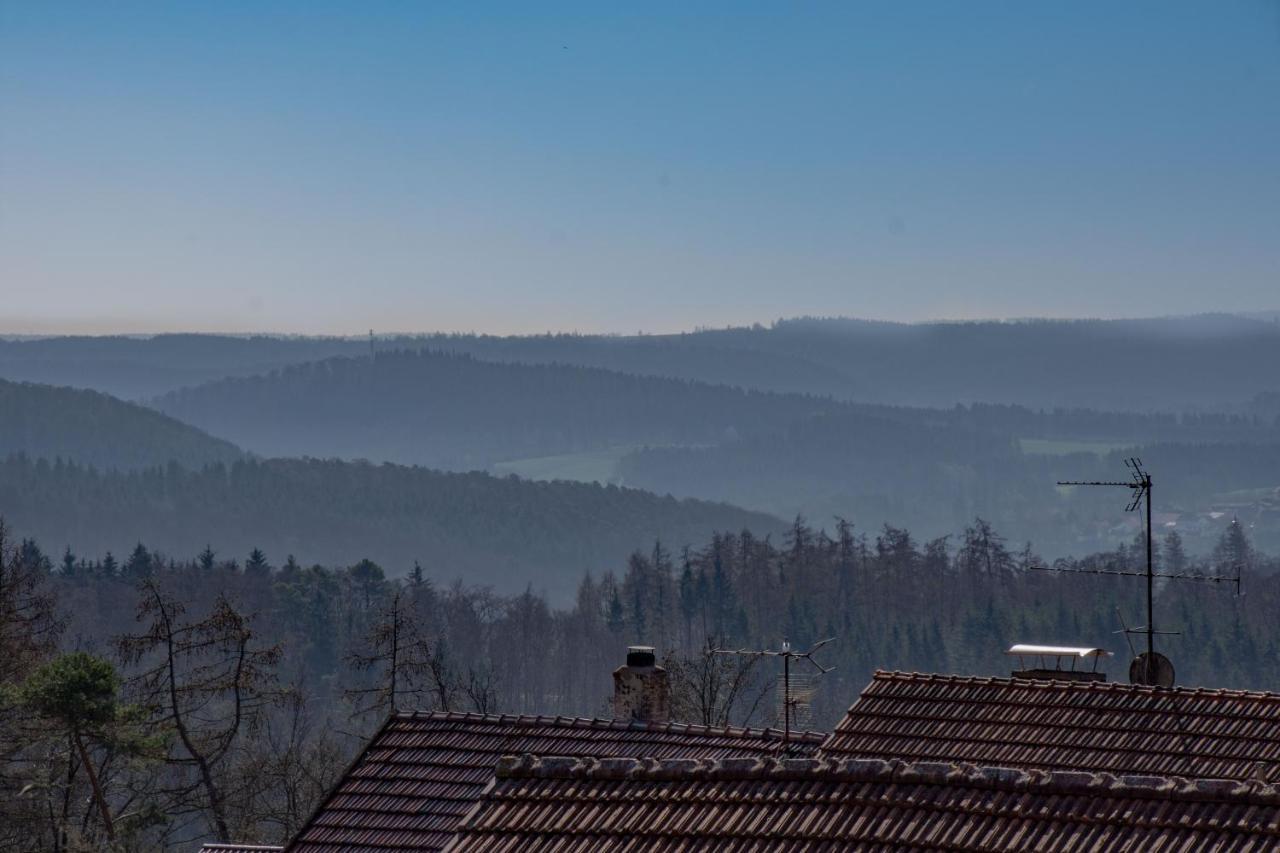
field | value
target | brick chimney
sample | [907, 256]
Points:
[641, 691]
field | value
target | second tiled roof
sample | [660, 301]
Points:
[422, 772]
[1057, 725]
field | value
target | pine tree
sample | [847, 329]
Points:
[616, 617]
[68, 563]
[31, 555]
[78, 692]
[290, 570]
[257, 565]
[368, 578]
[1233, 554]
[140, 564]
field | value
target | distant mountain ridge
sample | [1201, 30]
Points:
[96, 429]
[134, 368]
[1165, 364]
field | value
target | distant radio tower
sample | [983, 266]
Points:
[372, 349]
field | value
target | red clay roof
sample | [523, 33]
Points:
[421, 773]
[567, 804]
[1059, 725]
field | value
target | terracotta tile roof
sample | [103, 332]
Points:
[421, 773]
[1059, 725]
[583, 804]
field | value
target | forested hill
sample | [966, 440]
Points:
[453, 411]
[506, 532]
[95, 429]
[1165, 364]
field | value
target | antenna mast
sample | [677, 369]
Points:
[787, 654]
[1140, 484]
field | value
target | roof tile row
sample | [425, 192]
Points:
[583, 804]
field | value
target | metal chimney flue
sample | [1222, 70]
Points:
[641, 689]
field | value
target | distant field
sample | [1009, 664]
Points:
[1054, 447]
[598, 466]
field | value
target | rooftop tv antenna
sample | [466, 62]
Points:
[1148, 668]
[791, 699]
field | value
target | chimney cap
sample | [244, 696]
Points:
[1059, 654]
[641, 656]
[1028, 649]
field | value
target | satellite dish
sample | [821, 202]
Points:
[1161, 670]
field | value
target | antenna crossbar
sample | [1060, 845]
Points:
[1117, 573]
[787, 654]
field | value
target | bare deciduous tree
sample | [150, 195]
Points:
[410, 667]
[714, 689]
[209, 683]
[303, 758]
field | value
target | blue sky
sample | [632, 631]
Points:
[317, 167]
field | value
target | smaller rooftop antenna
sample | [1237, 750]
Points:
[1150, 667]
[791, 699]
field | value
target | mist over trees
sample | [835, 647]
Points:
[938, 478]
[777, 453]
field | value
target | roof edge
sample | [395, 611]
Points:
[610, 724]
[1058, 684]
[529, 766]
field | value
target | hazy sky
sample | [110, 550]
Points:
[318, 167]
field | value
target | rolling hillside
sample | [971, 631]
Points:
[454, 411]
